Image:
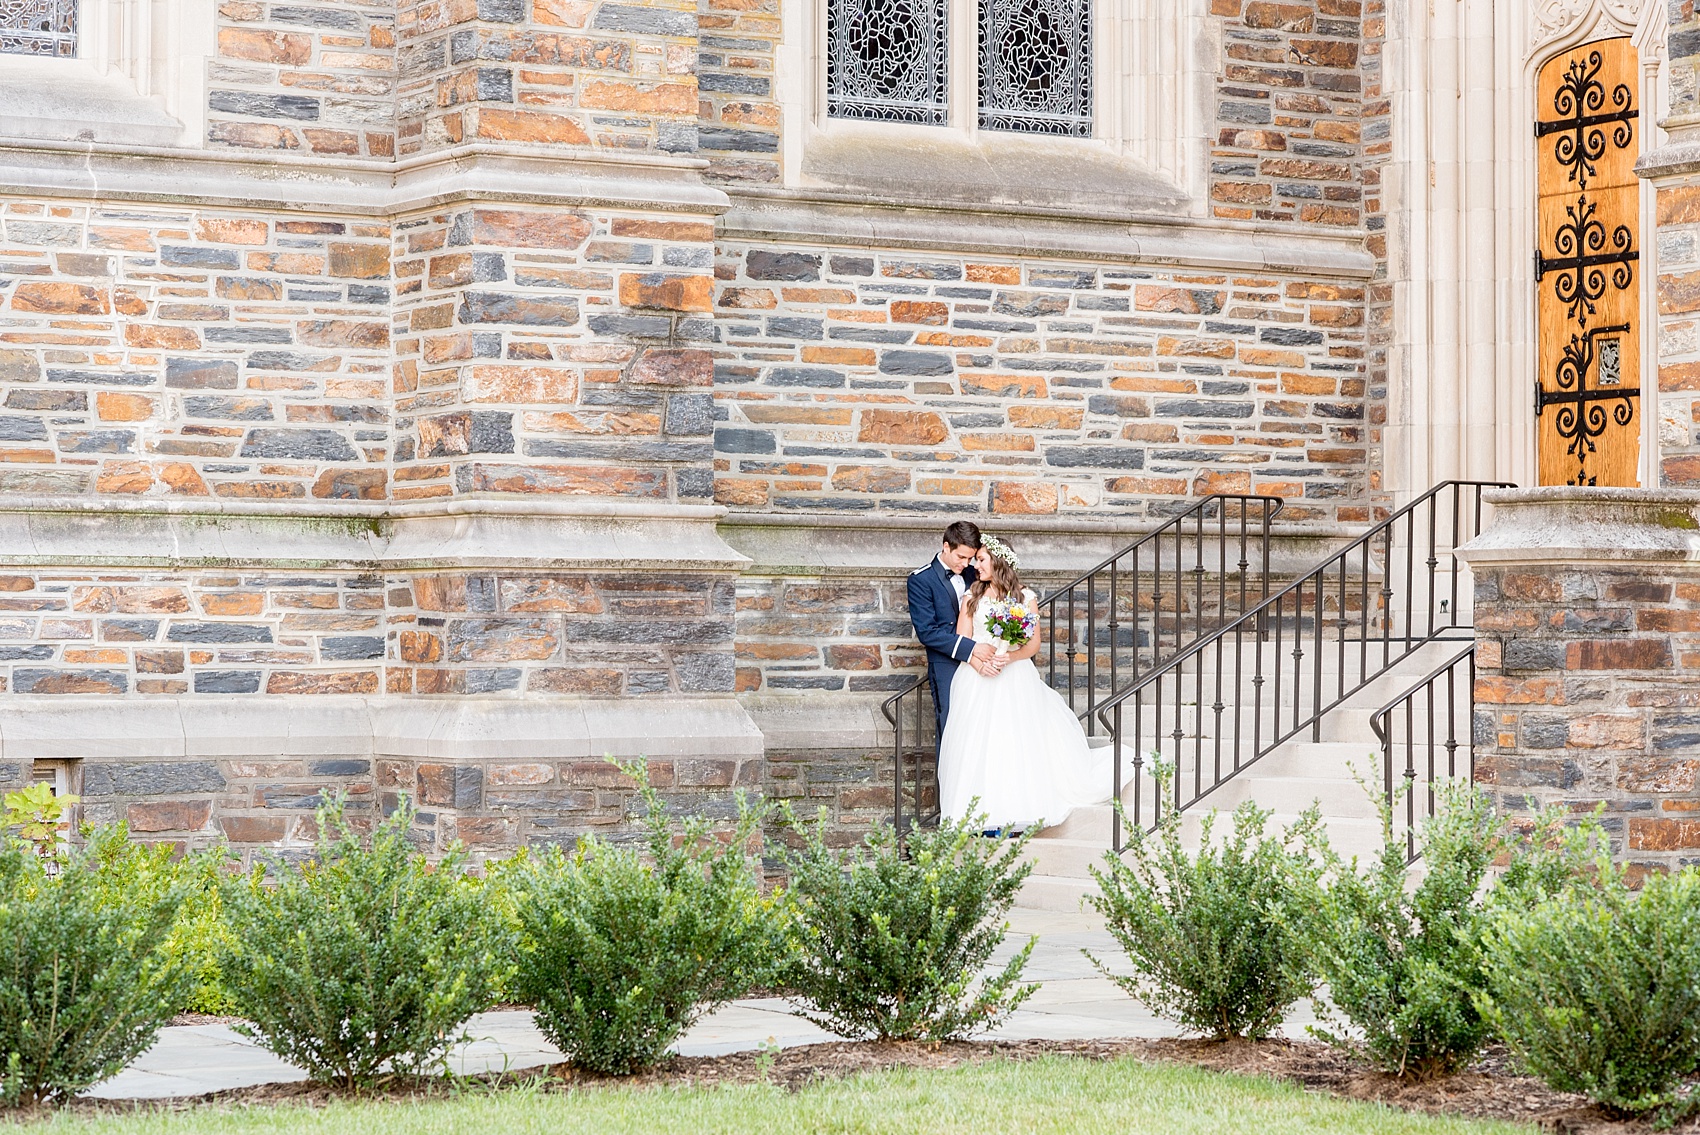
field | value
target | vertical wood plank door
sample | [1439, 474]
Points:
[1587, 267]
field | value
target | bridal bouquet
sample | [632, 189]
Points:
[1012, 623]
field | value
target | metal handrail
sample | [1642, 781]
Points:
[1267, 622]
[1382, 722]
[1114, 576]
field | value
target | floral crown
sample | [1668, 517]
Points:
[1000, 550]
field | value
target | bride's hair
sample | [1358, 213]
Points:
[1003, 576]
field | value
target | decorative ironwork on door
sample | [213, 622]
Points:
[1586, 268]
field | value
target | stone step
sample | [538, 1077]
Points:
[1339, 798]
[1068, 858]
[1053, 892]
[1348, 837]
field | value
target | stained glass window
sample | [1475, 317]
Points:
[38, 27]
[888, 59]
[1036, 66]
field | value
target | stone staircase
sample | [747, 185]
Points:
[1286, 781]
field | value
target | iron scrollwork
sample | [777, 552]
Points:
[1582, 257]
[1589, 262]
[1580, 102]
[1582, 414]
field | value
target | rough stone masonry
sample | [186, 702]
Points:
[493, 385]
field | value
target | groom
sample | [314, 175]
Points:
[935, 600]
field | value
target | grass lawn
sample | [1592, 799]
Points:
[1001, 1097]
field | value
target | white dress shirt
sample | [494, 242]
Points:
[956, 583]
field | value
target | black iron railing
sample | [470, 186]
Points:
[1111, 624]
[1423, 730]
[1232, 696]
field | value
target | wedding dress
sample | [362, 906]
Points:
[1014, 743]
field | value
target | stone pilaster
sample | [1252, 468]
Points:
[1587, 616]
[1673, 253]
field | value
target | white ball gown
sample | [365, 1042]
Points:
[1014, 743]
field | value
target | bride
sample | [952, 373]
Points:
[1011, 741]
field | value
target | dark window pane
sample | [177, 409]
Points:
[887, 59]
[1036, 66]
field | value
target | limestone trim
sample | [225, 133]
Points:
[1588, 525]
[455, 535]
[464, 729]
[1058, 552]
[96, 171]
[1154, 65]
[1200, 243]
[1461, 208]
[139, 76]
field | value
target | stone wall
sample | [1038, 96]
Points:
[850, 380]
[1587, 610]
[193, 352]
[1294, 112]
[411, 400]
[310, 77]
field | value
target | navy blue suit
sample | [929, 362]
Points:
[933, 608]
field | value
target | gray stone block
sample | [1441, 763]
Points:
[792, 266]
[218, 632]
[227, 682]
[151, 778]
[317, 445]
[351, 648]
[251, 105]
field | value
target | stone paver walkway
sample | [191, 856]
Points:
[1075, 1002]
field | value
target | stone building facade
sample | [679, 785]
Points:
[439, 395]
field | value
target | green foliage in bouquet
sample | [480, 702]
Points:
[891, 938]
[621, 949]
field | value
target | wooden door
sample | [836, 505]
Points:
[1587, 393]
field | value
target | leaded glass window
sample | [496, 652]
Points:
[38, 27]
[1036, 66]
[888, 59]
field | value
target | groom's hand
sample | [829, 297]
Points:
[985, 659]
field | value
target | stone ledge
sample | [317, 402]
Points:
[73, 532]
[804, 722]
[94, 171]
[893, 546]
[812, 217]
[459, 729]
[1588, 525]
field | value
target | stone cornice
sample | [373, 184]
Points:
[92, 171]
[1183, 242]
[102, 534]
[1588, 525]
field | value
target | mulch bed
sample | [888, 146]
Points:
[1489, 1089]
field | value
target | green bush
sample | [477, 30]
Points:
[87, 976]
[620, 951]
[1403, 964]
[366, 960]
[1216, 938]
[1597, 988]
[198, 931]
[890, 941]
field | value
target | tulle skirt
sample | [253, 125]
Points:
[1014, 743]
